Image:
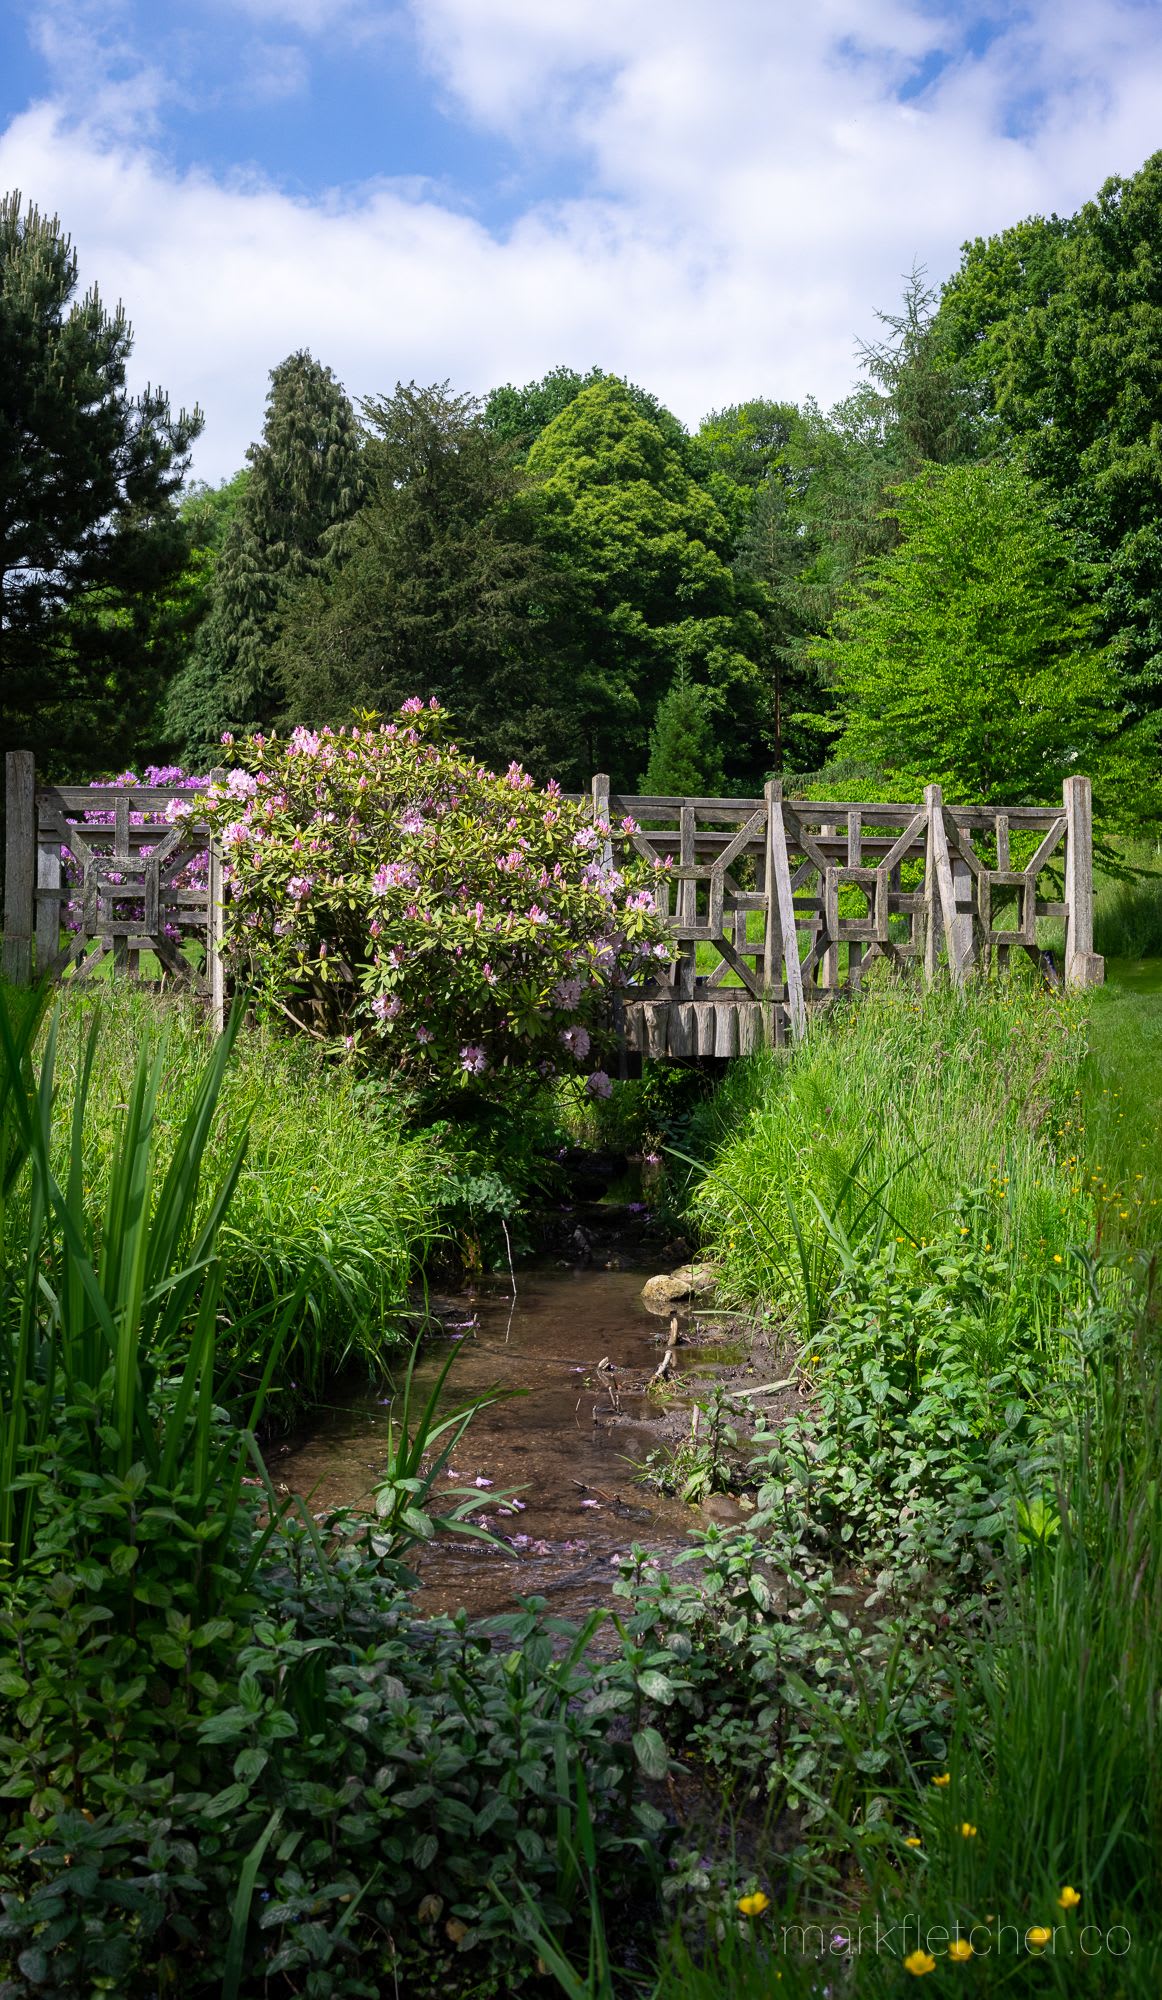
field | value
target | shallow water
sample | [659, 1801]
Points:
[562, 1442]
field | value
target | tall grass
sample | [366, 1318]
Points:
[892, 1112]
[97, 1314]
[1127, 917]
[332, 1199]
[1114, 1122]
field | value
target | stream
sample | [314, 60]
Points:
[568, 1443]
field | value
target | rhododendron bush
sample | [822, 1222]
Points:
[394, 896]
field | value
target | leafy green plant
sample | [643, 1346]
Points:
[419, 1443]
[116, 1322]
[390, 894]
[705, 1461]
[334, 1202]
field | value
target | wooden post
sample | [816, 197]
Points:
[934, 799]
[829, 897]
[19, 865]
[933, 803]
[1083, 965]
[779, 894]
[215, 931]
[601, 811]
[49, 909]
[962, 892]
[687, 905]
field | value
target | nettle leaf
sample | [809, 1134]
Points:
[651, 1753]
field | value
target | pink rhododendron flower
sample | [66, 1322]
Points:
[473, 1059]
[567, 993]
[598, 1085]
[423, 1034]
[386, 1007]
[576, 1040]
[300, 887]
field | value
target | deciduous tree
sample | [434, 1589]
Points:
[966, 655]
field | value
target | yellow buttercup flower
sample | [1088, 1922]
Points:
[912, 1840]
[753, 1906]
[960, 1950]
[968, 1829]
[1068, 1899]
[943, 1779]
[919, 1962]
[1038, 1936]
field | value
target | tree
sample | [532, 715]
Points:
[441, 589]
[685, 758]
[520, 415]
[90, 538]
[305, 482]
[647, 556]
[966, 655]
[1060, 323]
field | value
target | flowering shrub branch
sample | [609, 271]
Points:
[401, 900]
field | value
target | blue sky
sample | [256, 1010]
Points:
[712, 196]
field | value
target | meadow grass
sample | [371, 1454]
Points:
[893, 1112]
[332, 1197]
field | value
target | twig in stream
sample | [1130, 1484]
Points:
[668, 1362]
[512, 1277]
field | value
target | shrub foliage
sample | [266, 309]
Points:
[394, 896]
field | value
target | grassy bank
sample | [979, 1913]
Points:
[954, 1700]
[333, 1200]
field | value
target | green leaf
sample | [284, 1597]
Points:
[651, 1753]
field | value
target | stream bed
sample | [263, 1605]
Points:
[567, 1440]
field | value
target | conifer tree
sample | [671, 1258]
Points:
[305, 483]
[90, 538]
[685, 760]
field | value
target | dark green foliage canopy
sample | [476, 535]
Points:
[90, 537]
[440, 589]
[305, 482]
[647, 554]
[1060, 325]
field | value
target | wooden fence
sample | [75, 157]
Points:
[96, 872]
[776, 906]
[779, 905]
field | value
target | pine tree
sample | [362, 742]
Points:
[685, 760]
[305, 484]
[90, 538]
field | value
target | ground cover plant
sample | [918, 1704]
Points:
[927, 1647]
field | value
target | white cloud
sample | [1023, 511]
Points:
[750, 188]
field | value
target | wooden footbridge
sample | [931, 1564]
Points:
[776, 906]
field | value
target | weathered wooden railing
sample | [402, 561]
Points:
[95, 872]
[778, 905]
